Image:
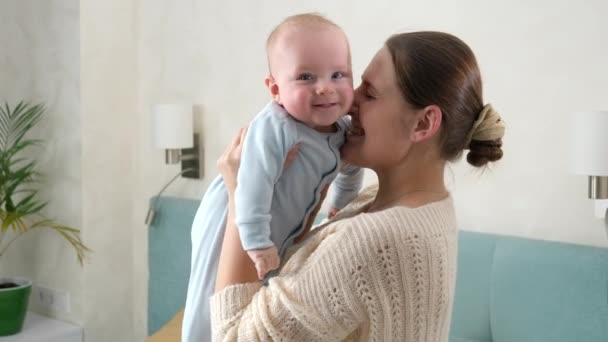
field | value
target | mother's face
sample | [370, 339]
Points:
[382, 119]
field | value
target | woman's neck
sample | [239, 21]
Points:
[410, 185]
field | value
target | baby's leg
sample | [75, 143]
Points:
[207, 236]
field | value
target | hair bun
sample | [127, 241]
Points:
[488, 126]
[483, 152]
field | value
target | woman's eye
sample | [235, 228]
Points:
[337, 74]
[305, 77]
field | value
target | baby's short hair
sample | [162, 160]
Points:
[305, 20]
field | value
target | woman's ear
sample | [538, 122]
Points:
[273, 87]
[428, 123]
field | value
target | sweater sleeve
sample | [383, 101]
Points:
[268, 139]
[346, 186]
[318, 301]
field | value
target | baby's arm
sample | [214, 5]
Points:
[265, 148]
[345, 188]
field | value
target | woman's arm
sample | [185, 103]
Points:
[235, 266]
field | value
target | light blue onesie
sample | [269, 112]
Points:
[265, 191]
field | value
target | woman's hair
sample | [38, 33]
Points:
[436, 68]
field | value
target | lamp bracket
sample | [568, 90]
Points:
[598, 187]
[193, 160]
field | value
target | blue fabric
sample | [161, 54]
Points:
[265, 191]
[168, 259]
[517, 289]
[207, 236]
[346, 186]
[546, 291]
[471, 313]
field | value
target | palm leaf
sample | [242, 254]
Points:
[19, 146]
[15, 123]
[4, 128]
[23, 119]
[18, 199]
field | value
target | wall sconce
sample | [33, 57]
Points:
[172, 130]
[590, 152]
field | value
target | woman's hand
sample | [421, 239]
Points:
[230, 160]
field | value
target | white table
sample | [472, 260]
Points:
[38, 328]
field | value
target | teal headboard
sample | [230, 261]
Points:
[169, 249]
[517, 289]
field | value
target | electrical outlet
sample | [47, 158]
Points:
[51, 299]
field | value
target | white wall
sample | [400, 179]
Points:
[109, 129]
[539, 63]
[39, 62]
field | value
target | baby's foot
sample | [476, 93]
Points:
[265, 260]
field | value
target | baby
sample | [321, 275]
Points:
[311, 85]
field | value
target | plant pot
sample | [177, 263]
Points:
[13, 305]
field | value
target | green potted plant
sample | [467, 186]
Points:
[20, 207]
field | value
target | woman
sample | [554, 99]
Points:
[383, 269]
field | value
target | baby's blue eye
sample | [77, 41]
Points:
[337, 74]
[305, 77]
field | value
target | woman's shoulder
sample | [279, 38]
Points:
[353, 230]
[432, 219]
[359, 204]
[366, 237]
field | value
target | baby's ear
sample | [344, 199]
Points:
[273, 87]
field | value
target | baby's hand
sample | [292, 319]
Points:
[265, 260]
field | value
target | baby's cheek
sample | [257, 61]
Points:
[349, 95]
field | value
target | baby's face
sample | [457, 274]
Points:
[313, 73]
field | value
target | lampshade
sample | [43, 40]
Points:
[172, 126]
[589, 144]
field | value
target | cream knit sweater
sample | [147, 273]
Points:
[382, 276]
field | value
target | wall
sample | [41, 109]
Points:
[109, 129]
[39, 62]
